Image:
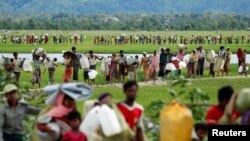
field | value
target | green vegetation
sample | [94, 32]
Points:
[149, 22]
[121, 6]
[128, 48]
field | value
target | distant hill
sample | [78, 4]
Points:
[123, 6]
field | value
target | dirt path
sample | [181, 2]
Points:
[158, 82]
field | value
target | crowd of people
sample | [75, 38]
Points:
[43, 39]
[116, 68]
[124, 39]
[63, 122]
[174, 39]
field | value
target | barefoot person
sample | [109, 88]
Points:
[192, 65]
[154, 65]
[17, 68]
[227, 61]
[146, 66]
[36, 79]
[76, 64]
[122, 66]
[68, 68]
[92, 60]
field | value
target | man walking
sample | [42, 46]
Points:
[76, 64]
[17, 68]
[163, 63]
[201, 61]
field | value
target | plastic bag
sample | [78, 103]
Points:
[176, 123]
[84, 62]
[170, 66]
[210, 56]
[186, 58]
[27, 67]
[182, 65]
[92, 74]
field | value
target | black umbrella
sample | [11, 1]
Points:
[72, 54]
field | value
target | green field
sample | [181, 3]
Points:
[128, 48]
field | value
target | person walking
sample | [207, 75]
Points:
[36, 79]
[76, 64]
[154, 65]
[17, 68]
[240, 55]
[51, 66]
[227, 61]
[122, 66]
[12, 114]
[163, 63]
[192, 65]
[201, 61]
[146, 67]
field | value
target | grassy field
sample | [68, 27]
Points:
[152, 92]
[128, 48]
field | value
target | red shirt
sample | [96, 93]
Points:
[72, 136]
[215, 113]
[132, 115]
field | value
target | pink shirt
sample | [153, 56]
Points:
[155, 61]
[180, 56]
[72, 136]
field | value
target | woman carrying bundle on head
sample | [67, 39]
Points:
[37, 53]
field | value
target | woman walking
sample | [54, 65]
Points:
[227, 61]
[154, 65]
[240, 55]
[146, 66]
[220, 61]
[113, 71]
[68, 68]
[36, 78]
[192, 65]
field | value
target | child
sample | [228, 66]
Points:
[51, 65]
[132, 112]
[74, 120]
[200, 132]
[86, 75]
[211, 68]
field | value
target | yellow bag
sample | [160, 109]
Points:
[176, 123]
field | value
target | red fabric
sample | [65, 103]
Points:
[42, 127]
[72, 136]
[240, 54]
[67, 74]
[132, 116]
[176, 63]
[215, 113]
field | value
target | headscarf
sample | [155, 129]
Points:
[59, 110]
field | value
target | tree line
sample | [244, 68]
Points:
[149, 22]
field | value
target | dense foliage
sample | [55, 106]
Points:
[152, 22]
[123, 6]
